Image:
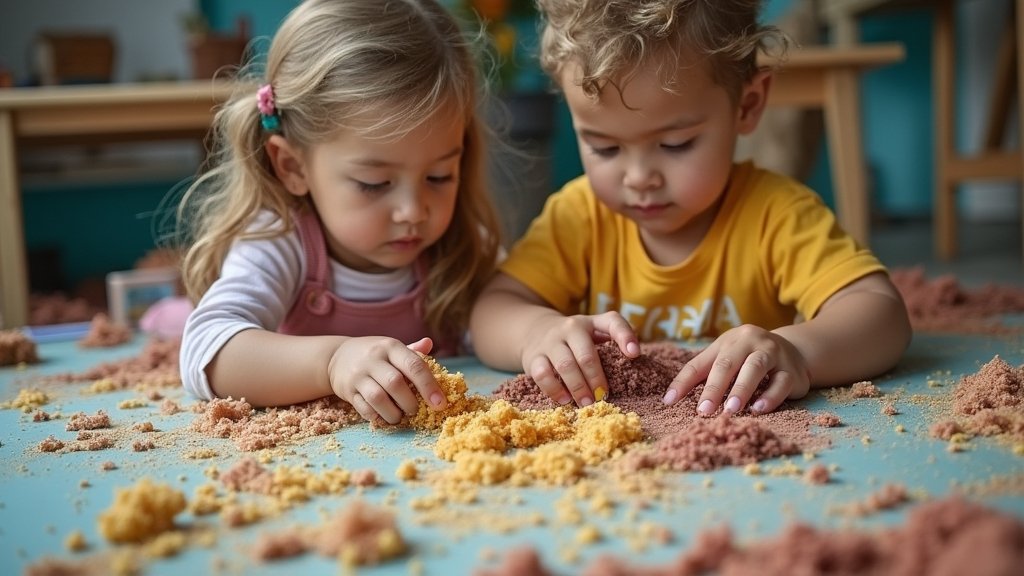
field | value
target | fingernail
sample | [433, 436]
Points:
[633, 348]
[599, 394]
[670, 396]
[564, 399]
[586, 402]
[732, 405]
[705, 408]
[759, 406]
[437, 399]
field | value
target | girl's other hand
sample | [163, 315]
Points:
[561, 357]
[376, 374]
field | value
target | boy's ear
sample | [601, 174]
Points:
[753, 100]
[288, 164]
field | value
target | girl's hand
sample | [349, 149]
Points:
[561, 356]
[741, 358]
[375, 375]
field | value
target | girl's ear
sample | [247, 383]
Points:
[752, 101]
[288, 164]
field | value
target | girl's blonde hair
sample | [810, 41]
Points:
[609, 40]
[332, 61]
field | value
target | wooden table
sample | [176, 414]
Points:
[953, 167]
[828, 78]
[83, 114]
[819, 77]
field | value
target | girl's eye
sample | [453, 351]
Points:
[678, 147]
[605, 152]
[441, 179]
[372, 186]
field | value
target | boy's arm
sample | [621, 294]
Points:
[501, 320]
[860, 332]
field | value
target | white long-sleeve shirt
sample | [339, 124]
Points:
[258, 284]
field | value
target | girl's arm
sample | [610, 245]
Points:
[271, 369]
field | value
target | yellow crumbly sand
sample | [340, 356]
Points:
[140, 512]
[454, 388]
[563, 441]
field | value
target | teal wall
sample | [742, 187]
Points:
[896, 107]
[896, 103]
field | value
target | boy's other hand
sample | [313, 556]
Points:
[736, 363]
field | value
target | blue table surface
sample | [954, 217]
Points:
[42, 499]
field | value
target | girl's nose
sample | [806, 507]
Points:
[411, 208]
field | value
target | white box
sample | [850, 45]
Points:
[131, 293]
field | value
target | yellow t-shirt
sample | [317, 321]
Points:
[773, 251]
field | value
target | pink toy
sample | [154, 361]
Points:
[166, 318]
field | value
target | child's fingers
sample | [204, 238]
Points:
[423, 346]
[723, 371]
[779, 385]
[692, 373]
[419, 375]
[396, 386]
[754, 369]
[618, 330]
[363, 408]
[544, 375]
[589, 363]
[379, 401]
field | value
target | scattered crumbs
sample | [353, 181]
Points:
[760, 486]
[588, 534]
[888, 497]
[75, 542]
[407, 470]
[27, 400]
[132, 403]
[900, 429]
[827, 420]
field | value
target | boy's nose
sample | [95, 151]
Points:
[641, 176]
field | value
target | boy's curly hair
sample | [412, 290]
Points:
[609, 39]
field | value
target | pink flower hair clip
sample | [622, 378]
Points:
[268, 112]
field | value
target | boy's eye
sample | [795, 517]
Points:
[604, 151]
[372, 186]
[678, 147]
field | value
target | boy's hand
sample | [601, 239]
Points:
[375, 374]
[561, 356]
[740, 359]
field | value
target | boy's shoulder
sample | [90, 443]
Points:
[759, 188]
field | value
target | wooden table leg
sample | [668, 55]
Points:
[13, 270]
[1020, 108]
[846, 152]
[944, 200]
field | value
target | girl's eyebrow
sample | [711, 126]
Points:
[378, 163]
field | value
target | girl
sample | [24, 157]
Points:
[344, 228]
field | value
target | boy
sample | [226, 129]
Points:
[664, 237]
